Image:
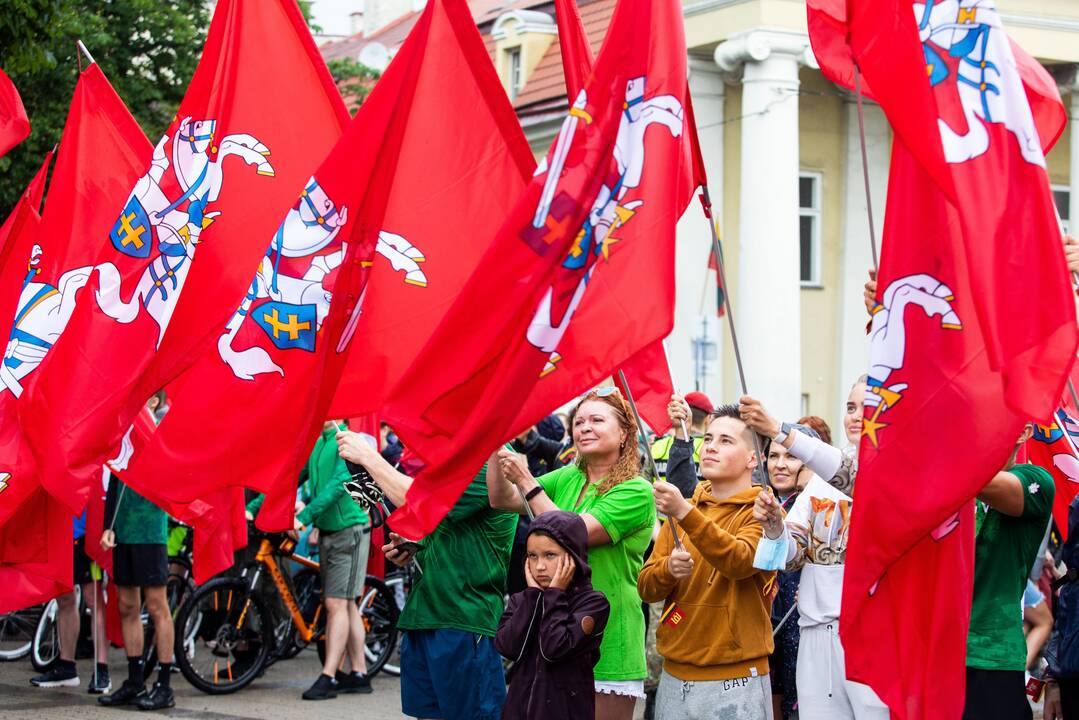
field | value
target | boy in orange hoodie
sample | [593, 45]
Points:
[716, 634]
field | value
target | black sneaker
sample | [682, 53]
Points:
[61, 674]
[353, 683]
[99, 683]
[128, 693]
[159, 698]
[323, 689]
[363, 489]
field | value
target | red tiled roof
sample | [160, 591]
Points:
[547, 82]
[391, 36]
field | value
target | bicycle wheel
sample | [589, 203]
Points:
[307, 584]
[226, 635]
[17, 632]
[178, 588]
[46, 644]
[396, 584]
[379, 608]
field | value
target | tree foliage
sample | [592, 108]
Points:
[354, 79]
[148, 49]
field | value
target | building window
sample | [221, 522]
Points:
[1062, 198]
[513, 68]
[809, 209]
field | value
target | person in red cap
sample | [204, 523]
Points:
[692, 411]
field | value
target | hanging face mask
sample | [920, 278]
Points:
[771, 554]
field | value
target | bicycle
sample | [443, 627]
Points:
[227, 633]
[17, 632]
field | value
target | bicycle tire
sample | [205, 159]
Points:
[45, 647]
[395, 583]
[218, 621]
[17, 632]
[307, 584]
[380, 613]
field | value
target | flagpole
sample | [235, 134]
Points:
[670, 371]
[865, 166]
[717, 250]
[651, 460]
[85, 52]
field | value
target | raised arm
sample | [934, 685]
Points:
[355, 449]
[506, 472]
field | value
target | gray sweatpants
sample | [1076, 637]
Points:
[824, 692]
[748, 698]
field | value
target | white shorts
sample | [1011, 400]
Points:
[629, 688]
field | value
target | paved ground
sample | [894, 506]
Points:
[273, 696]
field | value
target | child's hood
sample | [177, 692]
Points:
[569, 531]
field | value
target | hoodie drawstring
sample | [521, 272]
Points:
[831, 662]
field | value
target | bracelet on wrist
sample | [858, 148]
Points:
[533, 492]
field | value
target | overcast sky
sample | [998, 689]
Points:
[332, 15]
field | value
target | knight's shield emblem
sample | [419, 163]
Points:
[1047, 433]
[131, 234]
[287, 325]
[4, 477]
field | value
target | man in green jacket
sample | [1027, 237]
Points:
[344, 541]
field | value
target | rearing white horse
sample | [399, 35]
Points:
[608, 210]
[888, 332]
[177, 230]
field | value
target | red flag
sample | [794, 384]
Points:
[389, 145]
[1053, 447]
[562, 230]
[436, 231]
[210, 515]
[574, 47]
[260, 108]
[35, 553]
[648, 374]
[828, 34]
[14, 125]
[43, 272]
[967, 158]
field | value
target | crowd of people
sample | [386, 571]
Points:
[533, 595]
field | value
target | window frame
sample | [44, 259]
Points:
[514, 76]
[816, 212]
[1066, 222]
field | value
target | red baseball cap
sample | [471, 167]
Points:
[700, 401]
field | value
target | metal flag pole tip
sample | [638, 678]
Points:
[85, 52]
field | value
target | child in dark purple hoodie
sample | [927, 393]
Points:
[552, 630]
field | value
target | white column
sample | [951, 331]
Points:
[857, 257]
[693, 282]
[767, 307]
[1073, 170]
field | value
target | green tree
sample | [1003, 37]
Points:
[354, 79]
[148, 49]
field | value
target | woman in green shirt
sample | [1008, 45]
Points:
[618, 509]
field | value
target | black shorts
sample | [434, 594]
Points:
[140, 565]
[81, 564]
[996, 695]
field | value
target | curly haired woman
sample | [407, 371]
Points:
[603, 487]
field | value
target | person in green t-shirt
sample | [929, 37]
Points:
[344, 542]
[449, 665]
[604, 487]
[1012, 514]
